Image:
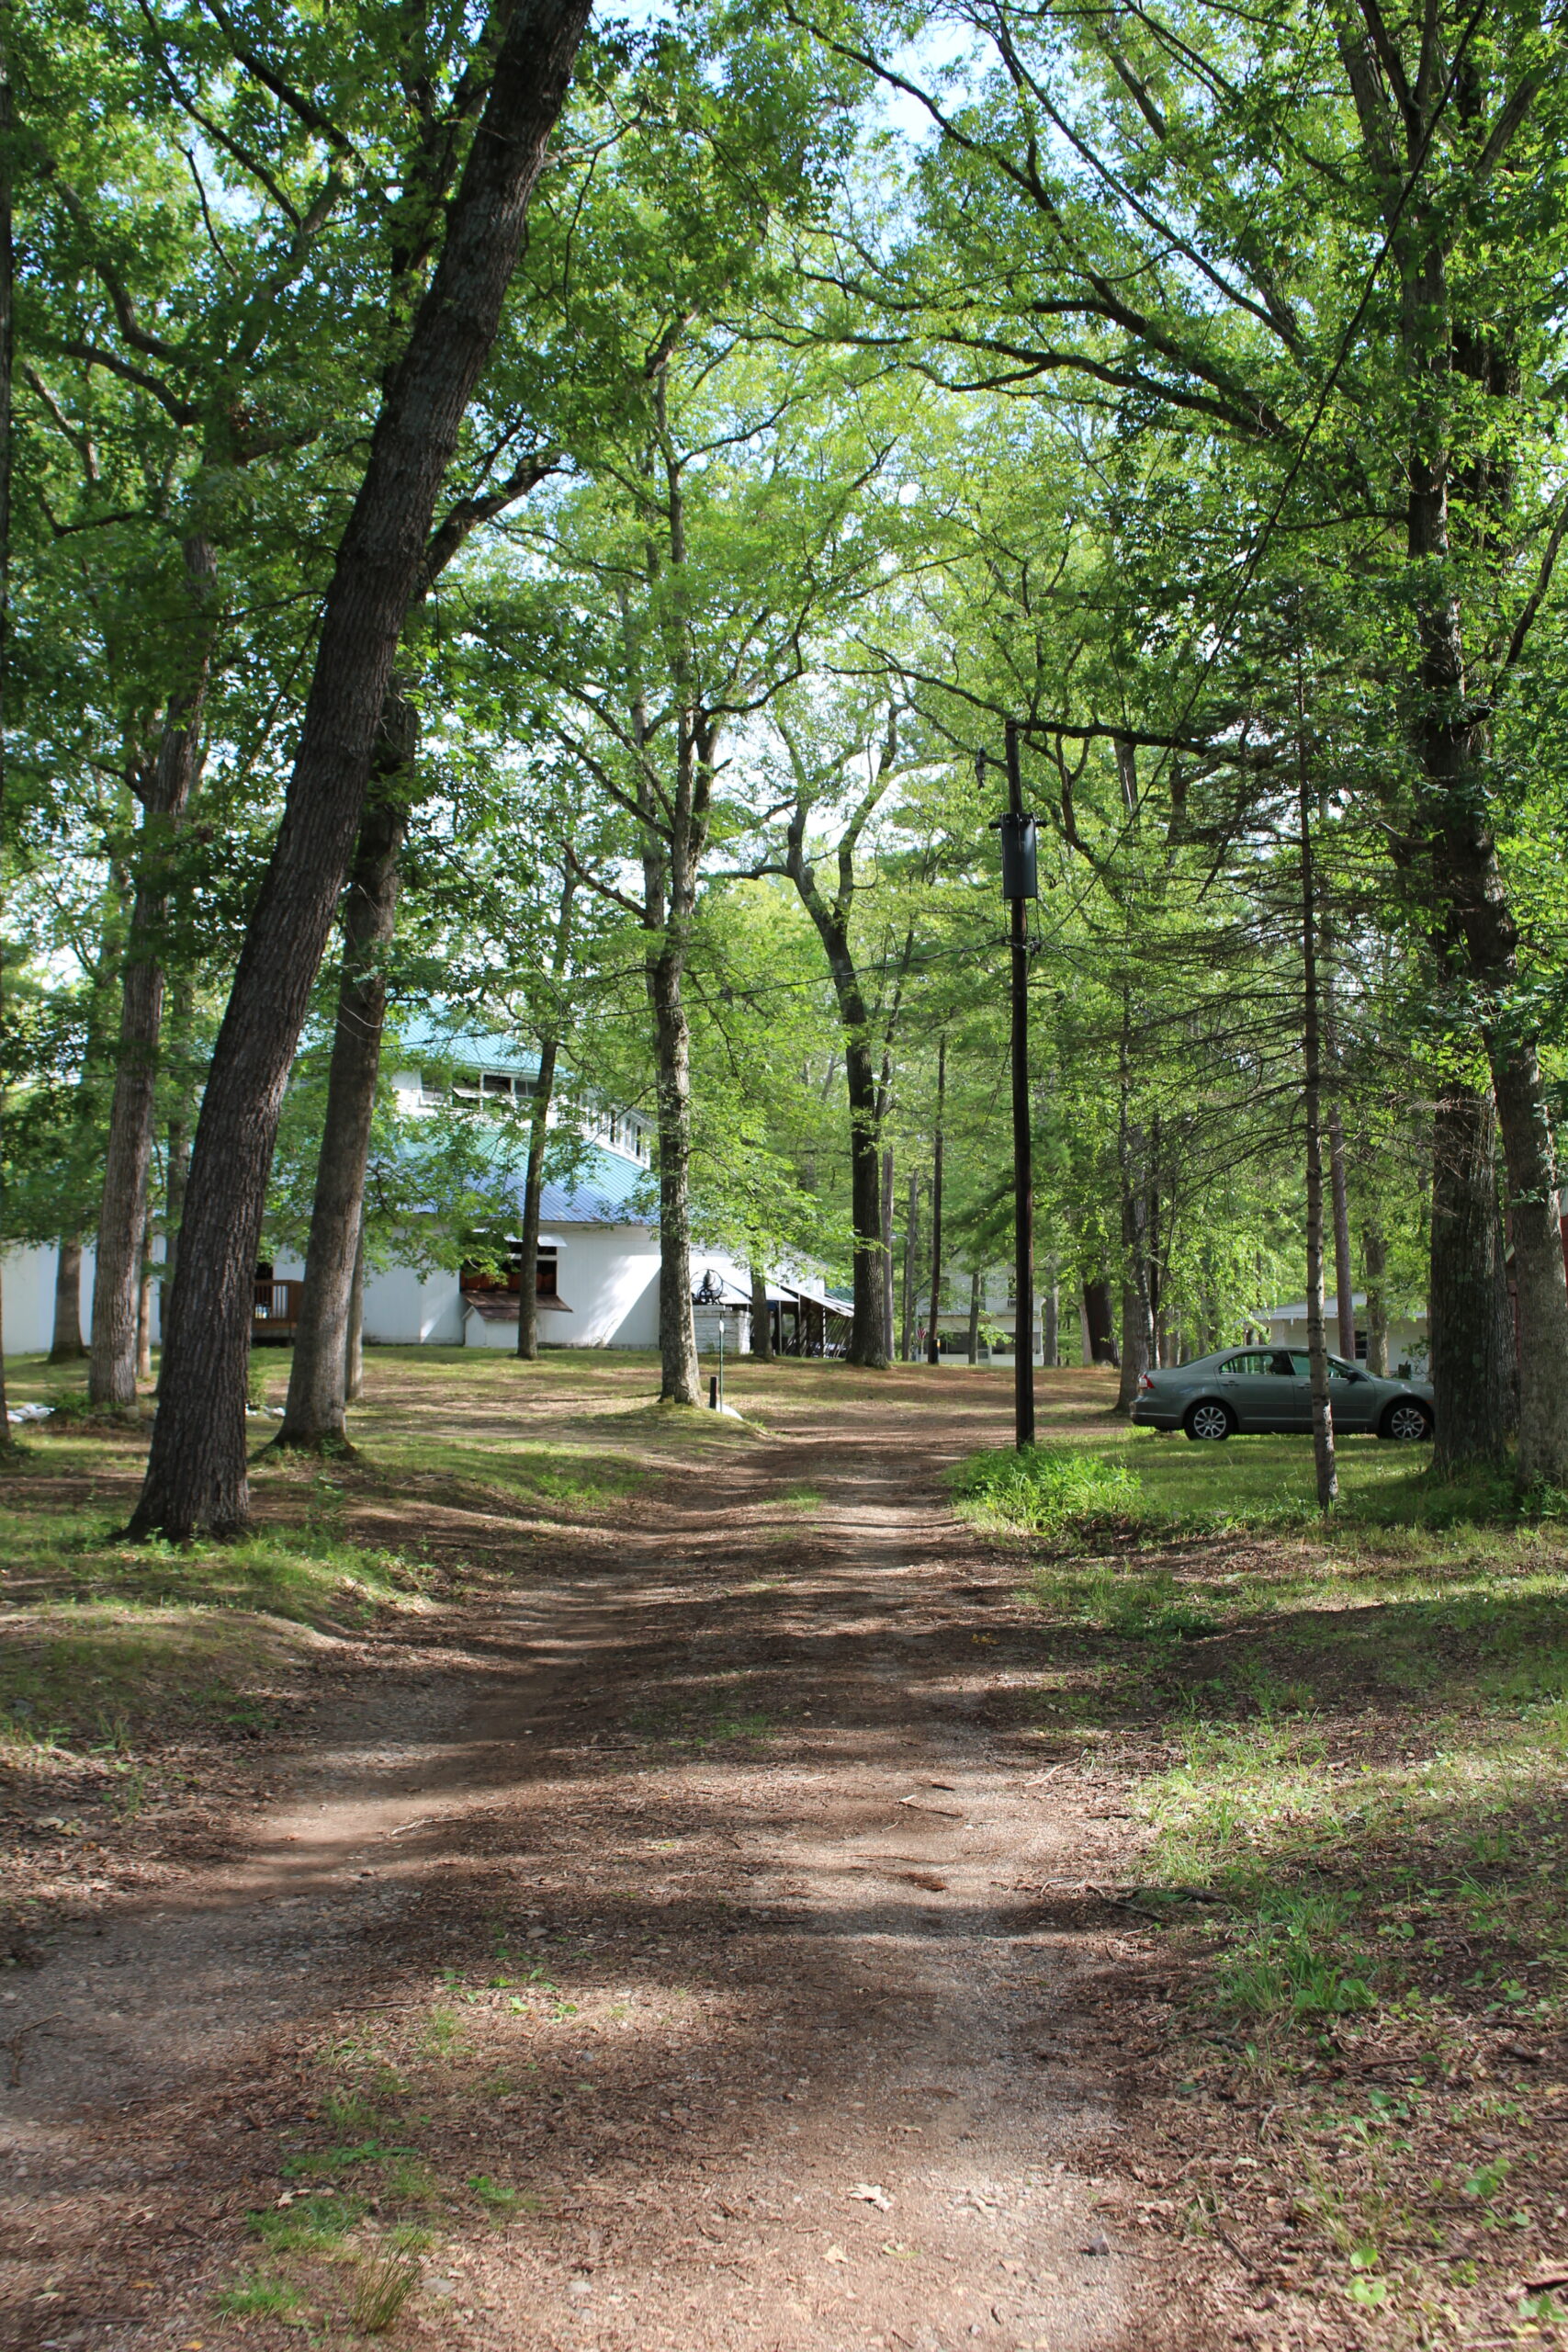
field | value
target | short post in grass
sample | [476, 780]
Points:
[1020, 884]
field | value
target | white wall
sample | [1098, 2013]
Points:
[406, 1309]
[28, 1279]
[27, 1276]
[608, 1277]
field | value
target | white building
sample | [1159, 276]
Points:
[598, 1270]
[1287, 1328]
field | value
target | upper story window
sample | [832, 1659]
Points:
[502, 1087]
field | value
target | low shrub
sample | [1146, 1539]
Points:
[1045, 1488]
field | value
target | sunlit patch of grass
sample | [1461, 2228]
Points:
[309, 2225]
[259, 2297]
[498, 2201]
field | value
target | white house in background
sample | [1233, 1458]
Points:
[598, 1269]
[1287, 1328]
[598, 1265]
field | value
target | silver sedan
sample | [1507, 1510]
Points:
[1248, 1391]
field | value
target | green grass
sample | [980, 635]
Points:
[104, 1639]
[1095, 1481]
[259, 2297]
[311, 2226]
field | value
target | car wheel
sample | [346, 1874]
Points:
[1209, 1421]
[1408, 1422]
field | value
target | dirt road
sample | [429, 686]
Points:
[673, 1957]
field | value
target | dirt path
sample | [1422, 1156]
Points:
[670, 1954]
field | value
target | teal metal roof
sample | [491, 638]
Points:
[449, 1037]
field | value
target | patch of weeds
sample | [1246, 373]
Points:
[1280, 1970]
[409, 2237]
[259, 2297]
[1137, 1606]
[321, 2163]
[409, 2180]
[347, 2111]
[498, 2200]
[311, 2226]
[1045, 1490]
[384, 2285]
[440, 2036]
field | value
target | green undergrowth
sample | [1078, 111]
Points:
[1135, 1485]
[101, 1640]
[1345, 1754]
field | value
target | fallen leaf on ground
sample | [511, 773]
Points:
[835, 2254]
[869, 2194]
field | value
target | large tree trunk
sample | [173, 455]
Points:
[354, 1346]
[1097, 1320]
[313, 1415]
[538, 1130]
[933, 1337]
[66, 1346]
[762, 1318]
[1136, 1345]
[196, 1474]
[1374, 1261]
[1470, 1322]
[1344, 1266]
[1453, 747]
[911, 1243]
[1339, 1191]
[678, 1368]
[128, 1153]
[176, 1158]
[889, 1320]
[7, 366]
[144, 1309]
[1323, 1463]
[533, 1194]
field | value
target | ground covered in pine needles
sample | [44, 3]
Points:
[580, 1876]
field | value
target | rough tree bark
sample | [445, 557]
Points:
[144, 1309]
[762, 1318]
[313, 1413]
[164, 792]
[1323, 1463]
[66, 1346]
[1374, 1264]
[538, 1130]
[679, 1373]
[532, 1195]
[1470, 1322]
[886, 1327]
[7, 369]
[1450, 732]
[1135, 1351]
[911, 1245]
[354, 1346]
[974, 1316]
[1096, 1319]
[1339, 1192]
[933, 1336]
[871, 1217]
[195, 1475]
